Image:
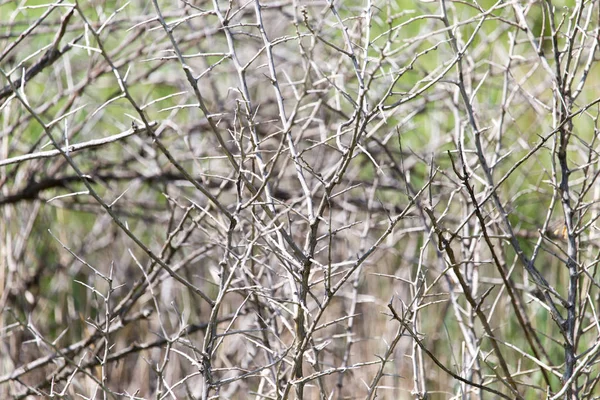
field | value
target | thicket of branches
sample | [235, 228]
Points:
[299, 199]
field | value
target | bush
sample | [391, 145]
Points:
[310, 200]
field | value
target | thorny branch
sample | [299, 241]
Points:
[217, 199]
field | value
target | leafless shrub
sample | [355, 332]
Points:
[299, 199]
